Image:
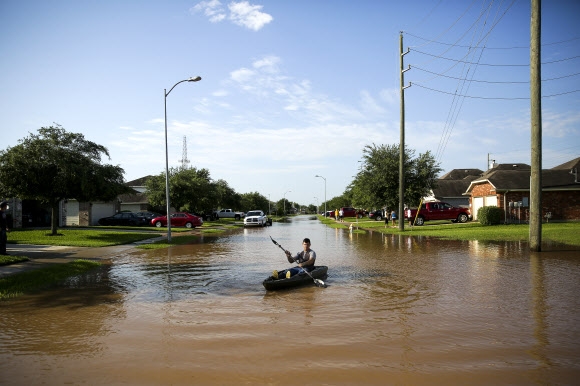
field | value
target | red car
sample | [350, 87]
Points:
[180, 219]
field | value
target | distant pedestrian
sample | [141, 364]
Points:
[341, 215]
[394, 218]
[336, 214]
[4, 227]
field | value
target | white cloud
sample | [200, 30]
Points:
[212, 9]
[241, 13]
[268, 64]
[220, 93]
[242, 75]
[369, 104]
[246, 15]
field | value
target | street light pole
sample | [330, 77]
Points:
[165, 94]
[285, 201]
[324, 193]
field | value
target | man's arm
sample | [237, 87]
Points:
[289, 257]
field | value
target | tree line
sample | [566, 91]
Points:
[54, 165]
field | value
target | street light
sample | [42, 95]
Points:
[165, 94]
[285, 201]
[324, 193]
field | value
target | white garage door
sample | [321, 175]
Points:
[477, 203]
[100, 210]
[491, 201]
[72, 213]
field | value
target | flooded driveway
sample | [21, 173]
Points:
[397, 310]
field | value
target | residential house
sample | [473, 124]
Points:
[508, 187]
[75, 213]
[451, 186]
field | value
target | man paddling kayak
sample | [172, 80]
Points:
[305, 260]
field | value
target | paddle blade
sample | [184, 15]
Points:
[319, 283]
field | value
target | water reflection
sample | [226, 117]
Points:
[398, 309]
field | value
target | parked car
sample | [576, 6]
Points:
[255, 218]
[228, 213]
[438, 210]
[179, 219]
[148, 215]
[377, 215]
[348, 211]
[124, 218]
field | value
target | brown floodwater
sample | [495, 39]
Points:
[401, 310]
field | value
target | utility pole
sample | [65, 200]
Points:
[402, 139]
[536, 129]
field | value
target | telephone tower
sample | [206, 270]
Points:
[184, 161]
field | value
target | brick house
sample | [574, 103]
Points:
[508, 187]
[452, 186]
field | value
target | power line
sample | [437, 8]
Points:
[497, 98]
[491, 64]
[490, 81]
[490, 48]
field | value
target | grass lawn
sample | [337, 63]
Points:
[7, 260]
[17, 284]
[77, 237]
[565, 233]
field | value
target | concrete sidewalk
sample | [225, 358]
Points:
[44, 255]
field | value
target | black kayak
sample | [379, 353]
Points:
[319, 272]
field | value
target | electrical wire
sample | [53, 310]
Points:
[489, 48]
[492, 98]
[491, 81]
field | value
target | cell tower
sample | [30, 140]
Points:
[184, 161]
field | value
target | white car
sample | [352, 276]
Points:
[255, 218]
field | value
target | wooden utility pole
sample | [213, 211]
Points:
[401, 213]
[536, 129]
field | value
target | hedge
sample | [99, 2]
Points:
[489, 215]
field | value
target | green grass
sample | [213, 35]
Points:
[565, 233]
[77, 237]
[20, 283]
[7, 260]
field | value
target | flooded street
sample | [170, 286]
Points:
[401, 310]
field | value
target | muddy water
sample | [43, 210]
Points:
[397, 310]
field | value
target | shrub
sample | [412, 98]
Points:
[489, 215]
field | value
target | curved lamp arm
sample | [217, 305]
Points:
[196, 79]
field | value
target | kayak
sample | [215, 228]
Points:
[319, 272]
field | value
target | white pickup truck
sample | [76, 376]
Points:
[228, 213]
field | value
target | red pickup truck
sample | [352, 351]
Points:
[438, 211]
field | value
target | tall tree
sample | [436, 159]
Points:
[377, 182]
[254, 201]
[192, 190]
[54, 165]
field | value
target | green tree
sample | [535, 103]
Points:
[226, 197]
[281, 205]
[254, 201]
[191, 190]
[377, 182]
[54, 165]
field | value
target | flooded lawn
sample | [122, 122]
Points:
[397, 310]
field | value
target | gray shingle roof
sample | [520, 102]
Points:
[517, 177]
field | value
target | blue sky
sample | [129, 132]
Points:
[290, 89]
